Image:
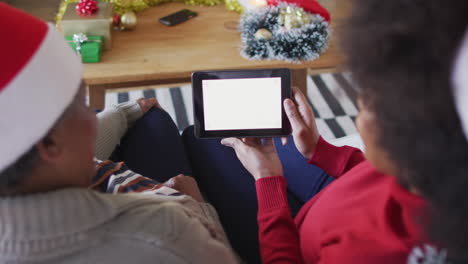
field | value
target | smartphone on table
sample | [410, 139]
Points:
[177, 17]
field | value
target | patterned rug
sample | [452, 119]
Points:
[332, 96]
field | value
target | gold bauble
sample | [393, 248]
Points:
[128, 20]
[293, 17]
[263, 33]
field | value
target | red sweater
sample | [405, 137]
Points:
[361, 217]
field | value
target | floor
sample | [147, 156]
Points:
[332, 123]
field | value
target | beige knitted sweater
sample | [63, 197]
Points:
[84, 226]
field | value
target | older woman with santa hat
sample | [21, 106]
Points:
[53, 206]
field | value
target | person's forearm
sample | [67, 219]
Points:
[112, 125]
[278, 235]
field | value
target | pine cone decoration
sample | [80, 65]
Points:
[87, 7]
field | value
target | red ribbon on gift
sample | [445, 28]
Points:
[87, 7]
[311, 6]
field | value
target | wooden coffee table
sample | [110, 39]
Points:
[155, 54]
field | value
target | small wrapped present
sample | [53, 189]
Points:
[89, 47]
[98, 24]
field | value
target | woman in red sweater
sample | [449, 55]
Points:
[405, 200]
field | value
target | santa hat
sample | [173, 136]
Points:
[460, 87]
[311, 6]
[39, 77]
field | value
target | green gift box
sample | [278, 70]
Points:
[98, 24]
[89, 47]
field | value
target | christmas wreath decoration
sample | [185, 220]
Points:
[283, 31]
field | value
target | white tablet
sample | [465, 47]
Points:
[244, 103]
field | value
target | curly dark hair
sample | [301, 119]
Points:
[401, 53]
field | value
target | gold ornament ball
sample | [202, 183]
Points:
[293, 17]
[263, 33]
[128, 20]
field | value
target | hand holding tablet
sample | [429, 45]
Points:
[247, 103]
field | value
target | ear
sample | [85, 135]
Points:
[50, 148]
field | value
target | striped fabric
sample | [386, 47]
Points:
[117, 178]
[332, 96]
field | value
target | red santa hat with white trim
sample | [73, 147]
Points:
[460, 81]
[39, 77]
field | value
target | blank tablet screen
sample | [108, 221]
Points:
[241, 103]
[236, 104]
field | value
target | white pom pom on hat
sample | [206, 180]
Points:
[460, 83]
[39, 77]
